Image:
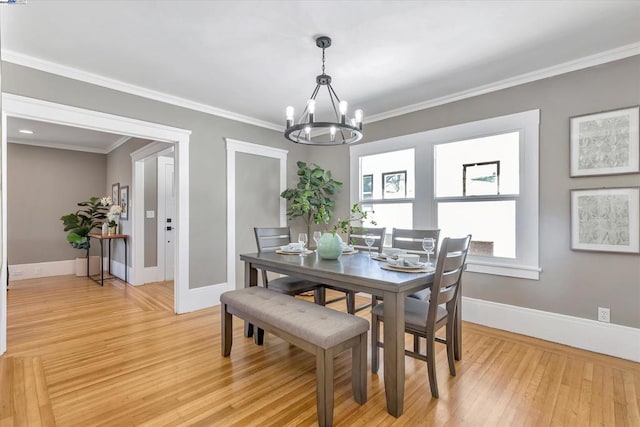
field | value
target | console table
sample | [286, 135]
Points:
[102, 238]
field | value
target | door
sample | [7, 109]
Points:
[166, 217]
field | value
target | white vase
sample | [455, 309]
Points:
[105, 228]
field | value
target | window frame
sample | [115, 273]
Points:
[526, 263]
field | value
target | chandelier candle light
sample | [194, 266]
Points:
[342, 131]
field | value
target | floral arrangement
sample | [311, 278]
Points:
[356, 215]
[113, 214]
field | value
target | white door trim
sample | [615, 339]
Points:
[233, 147]
[36, 109]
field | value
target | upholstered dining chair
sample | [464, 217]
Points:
[424, 318]
[356, 238]
[269, 239]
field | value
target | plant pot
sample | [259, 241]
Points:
[113, 229]
[94, 266]
[330, 246]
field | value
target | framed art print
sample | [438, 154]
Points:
[115, 193]
[606, 220]
[605, 143]
[394, 185]
[124, 202]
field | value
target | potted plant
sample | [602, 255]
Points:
[112, 215]
[330, 243]
[79, 224]
[311, 199]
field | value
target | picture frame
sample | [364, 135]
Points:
[394, 185]
[115, 193]
[606, 220]
[367, 186]
[124, 202]
[605, 143]
[480, 179]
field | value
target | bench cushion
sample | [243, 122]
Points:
[318, 325]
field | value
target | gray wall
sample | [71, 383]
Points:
[42, 185]
[207, 153]
[258, 177]
[151, 204]
[571, 283]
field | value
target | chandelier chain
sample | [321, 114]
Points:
[322, 60]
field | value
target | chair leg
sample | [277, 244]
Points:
[375, 337]
[359, 370]
[416, 344]
[227, 331]
[319, 295]
[324, 387]
[351, 302]
[451, 346]
[431, 365]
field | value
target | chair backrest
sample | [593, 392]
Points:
[269, 239]
[357, 234]
[411, 240]
[448, 275]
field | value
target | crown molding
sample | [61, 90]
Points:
[74, 73]
[566, 67]
[48, 144]
[118, 143]
[99, 80]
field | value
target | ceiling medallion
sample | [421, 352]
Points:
[309, 131]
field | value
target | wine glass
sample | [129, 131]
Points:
[302, 239]
[316, 237]
[428, 244]
[369, 239]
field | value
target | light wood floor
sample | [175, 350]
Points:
[81, 355]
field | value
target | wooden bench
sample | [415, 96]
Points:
[316, 329]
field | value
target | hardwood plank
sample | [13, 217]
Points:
[79, 354]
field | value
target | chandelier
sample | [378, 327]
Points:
[309, 131]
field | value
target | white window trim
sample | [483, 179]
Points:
[526, 265]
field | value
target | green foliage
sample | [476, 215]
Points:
[80, 223]
[357, 215]
[311, 198]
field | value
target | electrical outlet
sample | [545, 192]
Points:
[604, 315]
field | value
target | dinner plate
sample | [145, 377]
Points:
[283, 252]
[406, 269]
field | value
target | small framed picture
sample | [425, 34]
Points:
[605, 143]
[115, 193]
[124, 202]
[480, 179]
[394, 185]
[606, 220]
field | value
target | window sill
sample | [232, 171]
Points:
[519, 271]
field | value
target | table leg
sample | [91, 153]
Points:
[101, 260]
[109, 264]
[250, 279]
[125, 261]
[394, 352]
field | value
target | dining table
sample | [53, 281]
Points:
[360, 273]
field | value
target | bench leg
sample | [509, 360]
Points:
[359, 370]
[259, 337]
[375, 337]
[227, 331]
[324, 387]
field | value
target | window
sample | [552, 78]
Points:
[387, 181]
[478, 178]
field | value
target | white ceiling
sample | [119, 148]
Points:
[250, 59]
[60, 136]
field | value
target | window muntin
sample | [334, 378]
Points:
[395, 169]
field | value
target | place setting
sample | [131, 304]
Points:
[296, 248]
[399, 260]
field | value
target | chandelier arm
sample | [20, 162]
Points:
[332, 93]
[306, 107]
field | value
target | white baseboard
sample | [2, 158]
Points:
[117, 269]
[45, 269]
[203, 297]
[606, 338]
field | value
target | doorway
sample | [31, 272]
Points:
[34, 109]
